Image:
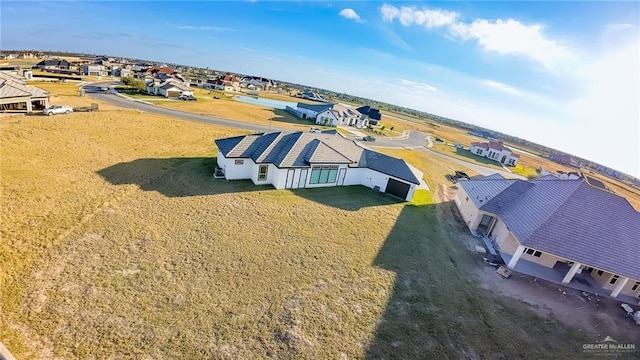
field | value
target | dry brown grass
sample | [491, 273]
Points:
[117, 243]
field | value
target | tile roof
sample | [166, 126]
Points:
[12, 85]
[314, 107]
[303, 149]
[567, 218]
[480, 145]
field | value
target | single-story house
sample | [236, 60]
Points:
[53, 64]
[308, 111]
[339, 114]
[308, 160]
[554, 223]
[495, 151]
[564, 159]
[373, 114]
[16, 95]
[170, 88]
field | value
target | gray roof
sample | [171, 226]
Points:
[13, 85]
[314, 107]
[567, 218]
[303, 149]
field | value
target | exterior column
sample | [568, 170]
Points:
[516, 257]
[618, 288]
[29, 107]
[574, 269]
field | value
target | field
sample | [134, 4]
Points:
[117, 243]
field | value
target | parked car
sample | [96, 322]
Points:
[57, 109]
[187, 97]
[369, 138]
[315, 130]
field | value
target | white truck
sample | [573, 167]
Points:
[57, 109]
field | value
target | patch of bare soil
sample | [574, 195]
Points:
[587, 312]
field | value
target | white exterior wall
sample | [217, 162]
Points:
[233, 171]
[333, 121]
[310, 113]
[474, 150]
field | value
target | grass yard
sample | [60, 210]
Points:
[117, 243]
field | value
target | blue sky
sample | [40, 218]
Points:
[563, 74]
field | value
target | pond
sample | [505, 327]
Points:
[276, 104]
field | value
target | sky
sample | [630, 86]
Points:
[562, 74]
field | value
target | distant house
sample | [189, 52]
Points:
[226, 82]
[308, 111]
[495, 151]
[566, 231]
[94, 69]
[342, 115]
[564, 159]
[17, 96]
[483, 134]
[53, 64]
[373, 114]
[309, 160]
[170, 88]
[312, 96]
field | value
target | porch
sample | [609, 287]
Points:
[582, 281]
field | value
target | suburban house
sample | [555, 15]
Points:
[169, 88]
[16, 95]
[564, 159]
[94, 70]
[566, 231]
[495, 151]
[373, 114]
[308, 111]
[342, 115]
[308, 160]
[227, 82]
[309, 95]
[53, 64]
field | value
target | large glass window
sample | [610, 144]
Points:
[325, 174]
[262, 172]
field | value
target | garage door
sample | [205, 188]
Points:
[173, 94]
[397, 188]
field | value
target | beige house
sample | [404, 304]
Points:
[17, 96]
[565, 230]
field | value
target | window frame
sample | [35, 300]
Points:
[239, 162]
[262, 176]
[322, 174]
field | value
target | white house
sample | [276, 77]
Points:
[308, 111]
[342, 115]
[170, 88]
[308, 160]
[495, 151]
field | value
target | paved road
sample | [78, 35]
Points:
[482, 170]
[94, 91]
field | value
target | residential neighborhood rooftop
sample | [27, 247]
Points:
[569, 218]
[302, 149]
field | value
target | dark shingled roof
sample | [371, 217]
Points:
[567, 218]
[303, 149]
[371, 112]
[314, 107]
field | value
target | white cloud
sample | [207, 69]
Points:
[512, 37]
[608, 113]
[414, 16]
[502, 87]
[505, 37]
[205, 28]
[350, 14]
[417, 86]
